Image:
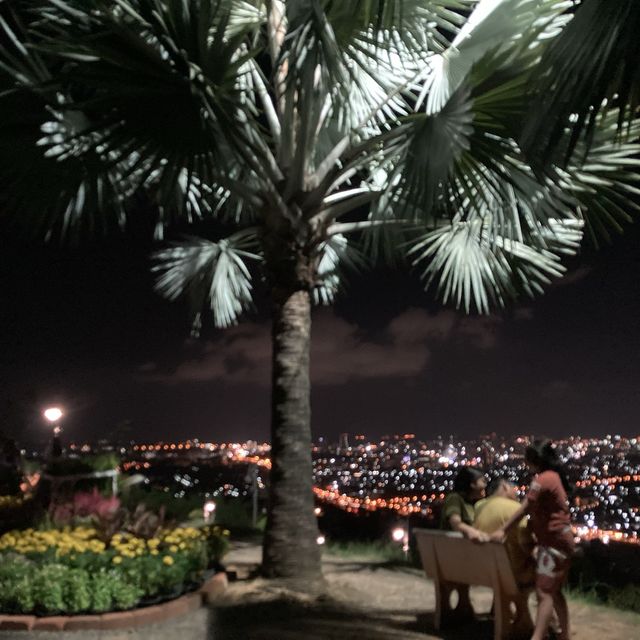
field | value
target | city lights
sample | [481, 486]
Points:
[402, 476]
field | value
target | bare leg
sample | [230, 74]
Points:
[543, 616]
[560, 605]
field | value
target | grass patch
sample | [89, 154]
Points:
[625, 598]
[376, 551]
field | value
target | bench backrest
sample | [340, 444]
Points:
[450, 557]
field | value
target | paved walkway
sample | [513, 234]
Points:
[365, 599]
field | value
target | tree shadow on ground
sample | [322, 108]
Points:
[356, 566]
[283, 618]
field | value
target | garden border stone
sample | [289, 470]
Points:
[182, 605]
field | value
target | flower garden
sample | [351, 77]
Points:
[70, 571]
[87, 553]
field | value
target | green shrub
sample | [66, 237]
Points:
[22, 597]
[144, 573]
[217, 545]
[48, 587]
[13, 567]
[101, 592]
[627, 598]
[76, 589]
[125, 595]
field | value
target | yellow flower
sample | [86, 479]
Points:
[153, 543]
[154, 552]
[168, 560]
[173, 548]
[116, 560]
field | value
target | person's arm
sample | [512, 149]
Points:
[499, 534]
[456, 524]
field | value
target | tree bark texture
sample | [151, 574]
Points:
[290, 544]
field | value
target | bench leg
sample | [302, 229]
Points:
[501, 617]
[442, 603]
[508, 624]
[464, 608]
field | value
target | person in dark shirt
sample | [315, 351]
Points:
[458, 511]
[547, 505]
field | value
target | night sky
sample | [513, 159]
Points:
[82, 327]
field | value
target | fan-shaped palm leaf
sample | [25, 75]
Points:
[213, 271]
[592, 65]
[336, 255]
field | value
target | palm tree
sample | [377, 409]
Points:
[314, 132]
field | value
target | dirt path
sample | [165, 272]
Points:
[374, 601]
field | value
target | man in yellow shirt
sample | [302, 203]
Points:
[492, 513]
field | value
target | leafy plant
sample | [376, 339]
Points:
[626, 598]
[146, 524]
[77, 590]
[217, 544]
[49, 588]
[22, 596]
[94, 503]
[109, 523]
[101, 591]
[125, 595]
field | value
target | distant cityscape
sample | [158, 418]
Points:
[403, 475]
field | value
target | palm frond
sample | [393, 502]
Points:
[348, 66]
[209, 271]
[336, 255]
[494, 26]
[602, 177]
[475, 268]
[151, 93]
[593, 65]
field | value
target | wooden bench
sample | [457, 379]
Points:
[454, 563]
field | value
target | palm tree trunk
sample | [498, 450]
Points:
[290, 543]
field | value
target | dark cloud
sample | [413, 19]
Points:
[340, 350]
[556, 389]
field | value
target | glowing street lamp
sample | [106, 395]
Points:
[401, 534]
[53, 415]
[398, 534]
[209, 512]
[320, 539]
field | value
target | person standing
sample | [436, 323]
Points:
[548, 506]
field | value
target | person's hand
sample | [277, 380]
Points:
[478, 536]
[498, 535]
